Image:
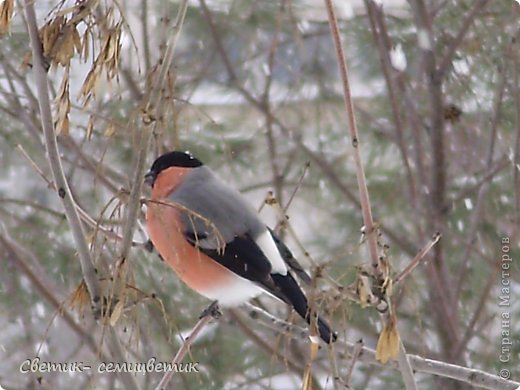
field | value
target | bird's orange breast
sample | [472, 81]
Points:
[197, 270]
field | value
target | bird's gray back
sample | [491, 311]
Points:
[207, 196]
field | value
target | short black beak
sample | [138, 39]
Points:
[149, 178]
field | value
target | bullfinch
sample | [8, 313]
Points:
[215, 241]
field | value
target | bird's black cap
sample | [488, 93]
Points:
[171, 159]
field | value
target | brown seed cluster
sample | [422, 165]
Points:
[6, 14]
[71, 33]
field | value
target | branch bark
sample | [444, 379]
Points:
[354, 139]
[150, 107]
[447, 60]
[441, 285]
[474, 377]
[207, 315]
[376, 268]
[51, 144]
[43, 284]
[64, 191]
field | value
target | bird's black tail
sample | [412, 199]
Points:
[294, 295]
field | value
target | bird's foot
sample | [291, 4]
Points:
[212, 310]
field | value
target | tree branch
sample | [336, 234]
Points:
[454, 45]
[150, 108]
[388, 73]
[367, 355]
[354, 139]
[62, 186]
[479, 204]
[43, 285]
[376, 266]
[211, 312]
[441, 286]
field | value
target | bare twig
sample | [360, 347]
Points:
[227, 62]
[354, 139]
[272, 350]
[441, 285]
[275, 323]
[42, 283]
[118, 356]
[388, 73]
[146, 36]
[296, 187]
[446, 61]
[278, 178]
[83, 215]
[417, 259]
[208, 314]
[154, 99]
[470, 329]
[376, 267]
[471, 376]
[288, 133]
[358, 346]
[479, 204]
[366, 355]
[487, 176]
[64, 192]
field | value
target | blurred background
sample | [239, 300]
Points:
[254, 92]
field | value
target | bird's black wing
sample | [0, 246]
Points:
[243, 257]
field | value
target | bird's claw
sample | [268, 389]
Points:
[212, 310]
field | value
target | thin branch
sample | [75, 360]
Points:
[470, 329]
[208, 314]
[354, 138]
[479, 204]
[64, 192]
[441, 286]
[358, 346]
[262, 343]
[145, 35]
[153, 101]
[42, 284]
[388, 73]
[116, 351]
[472, 376]
[275, 323]
[83, 215]
[477, 378]
[417, 259]
[487, 176]
[371, 236]
[409, 105]
[227, 62]
[278, 178]
[446, 61]
[291, 135]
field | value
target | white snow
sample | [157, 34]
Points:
[461, 67]
[423, 39]
[398, 58]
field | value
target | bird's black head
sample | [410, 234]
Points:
[171, 159]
